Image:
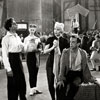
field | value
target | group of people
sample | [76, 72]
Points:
[66, 66]
[91, 43]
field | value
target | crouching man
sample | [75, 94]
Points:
[73, 70]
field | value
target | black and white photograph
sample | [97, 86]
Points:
[49, 49]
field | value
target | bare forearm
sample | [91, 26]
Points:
[48, 50]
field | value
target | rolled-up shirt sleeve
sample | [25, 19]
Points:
[5, 54]
[25, 44]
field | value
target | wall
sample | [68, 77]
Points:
[89, 22]
[32, 11]
[66, 19]
[29, 10]
[47, 16]
[94, 15]
[1, 11]
[57, 10]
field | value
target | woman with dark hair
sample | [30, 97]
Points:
[11, 48]
[84, 42]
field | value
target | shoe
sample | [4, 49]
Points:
[38, 92]
[32, 92]
[98, 68]
[94, 69]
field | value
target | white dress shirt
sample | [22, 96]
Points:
[10, 43]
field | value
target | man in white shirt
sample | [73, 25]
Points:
[11, 48]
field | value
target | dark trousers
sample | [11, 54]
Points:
[71, 86]
[76, 30]
[16, 84]
[50, 79]
[32, 68]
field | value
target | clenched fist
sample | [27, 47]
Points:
[55, 43]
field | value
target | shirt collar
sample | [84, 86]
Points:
[9, 34]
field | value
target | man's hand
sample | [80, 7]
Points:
[97, 82]
[10, 73]
[21, 47]
[60, 84]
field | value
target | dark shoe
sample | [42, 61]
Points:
[38, 92]
[98, 68]
[35, 92]
[94, 69]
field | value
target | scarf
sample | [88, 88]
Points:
[56, 63]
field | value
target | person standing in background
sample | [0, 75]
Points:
[84, 41]
[11, 49]
[32, 49]
[75, 26]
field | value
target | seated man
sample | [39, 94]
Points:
[73, 70]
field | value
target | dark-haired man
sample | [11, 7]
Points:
[73, 70]
[11, 48]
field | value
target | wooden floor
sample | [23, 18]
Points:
[41, 82]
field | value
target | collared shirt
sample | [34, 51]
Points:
[10, 43]
[64, 66]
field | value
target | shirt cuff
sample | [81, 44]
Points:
[8, 69]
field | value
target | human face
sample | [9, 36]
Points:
[14, 25]
[73, 43]
[57, 32]
[32, 29]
